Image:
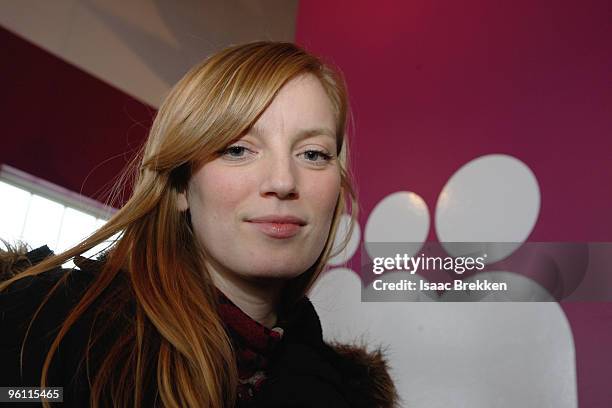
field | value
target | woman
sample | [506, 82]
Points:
[201, 301]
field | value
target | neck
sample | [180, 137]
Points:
[258, 299]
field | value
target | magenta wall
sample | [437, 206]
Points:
[435, 84]
[62, 124]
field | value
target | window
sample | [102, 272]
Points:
[39, 213]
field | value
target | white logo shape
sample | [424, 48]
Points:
[460, 354]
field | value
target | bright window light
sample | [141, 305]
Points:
[14, 203]
[39, 213]
[43, 222]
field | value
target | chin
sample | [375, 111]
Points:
[273, 273]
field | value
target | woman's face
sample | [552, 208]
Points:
[285, 166]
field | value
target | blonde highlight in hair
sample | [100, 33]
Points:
[166, 303]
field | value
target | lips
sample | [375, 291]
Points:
[278, 219]
[276, 226]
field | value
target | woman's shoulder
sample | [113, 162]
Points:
[24, 295]
[317, 373]
[49, 297]
[363, 370]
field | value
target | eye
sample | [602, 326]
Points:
[318, 157]
[234, 152]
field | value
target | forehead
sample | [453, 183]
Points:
[301, 105]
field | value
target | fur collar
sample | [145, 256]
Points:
[363, 375]
[368, 375]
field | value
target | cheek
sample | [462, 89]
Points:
[324, 195]
[215, 195]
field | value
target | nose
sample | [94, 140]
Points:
[279, 177]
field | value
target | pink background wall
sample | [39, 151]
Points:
[436, 84]
[62, 124]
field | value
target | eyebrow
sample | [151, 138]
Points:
[302, 134]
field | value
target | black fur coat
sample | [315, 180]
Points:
[306, 371]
